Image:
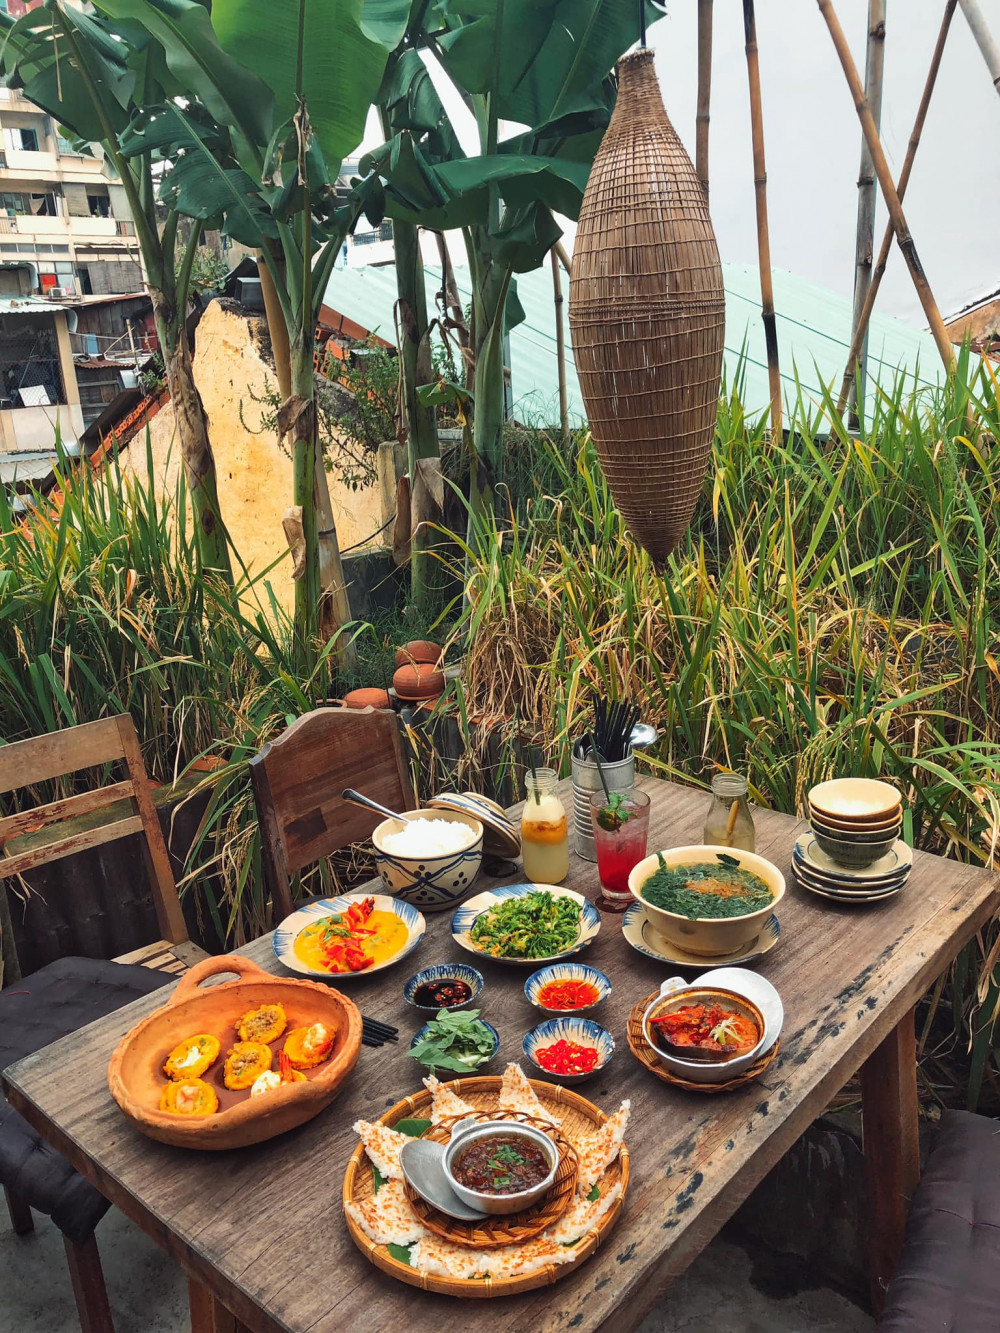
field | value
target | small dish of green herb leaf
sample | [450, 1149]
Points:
[457, 1040]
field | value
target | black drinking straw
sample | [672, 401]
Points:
[600, 770]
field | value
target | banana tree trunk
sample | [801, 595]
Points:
[423, 451]
[492, 281]
[192, 432]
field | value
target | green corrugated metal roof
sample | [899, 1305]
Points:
[813, 324]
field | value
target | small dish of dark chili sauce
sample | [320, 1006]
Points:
[447, 993]
[501, 1164]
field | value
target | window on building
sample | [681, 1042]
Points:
[99, 205]
[24, 138]
[29, 362]
[13, 203]
[57, 273]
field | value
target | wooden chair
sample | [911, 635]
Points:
[66, 995]
[297, 783]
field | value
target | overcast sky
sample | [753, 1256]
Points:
[813, 141]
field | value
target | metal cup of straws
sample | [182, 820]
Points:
[619, 776]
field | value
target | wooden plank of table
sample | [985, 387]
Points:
[262, 1228]
[892, 1149]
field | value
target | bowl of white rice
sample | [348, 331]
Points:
[431, 859]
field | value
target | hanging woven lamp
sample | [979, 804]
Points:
[647, 314]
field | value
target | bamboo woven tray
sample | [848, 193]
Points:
[574, 1111]
[645, 1054]
[492, 1232]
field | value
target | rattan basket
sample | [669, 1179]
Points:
[647, 314]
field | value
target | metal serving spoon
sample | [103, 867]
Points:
[355, 798]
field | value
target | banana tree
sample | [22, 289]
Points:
[94, 77]
[544, 64]
[270, 185]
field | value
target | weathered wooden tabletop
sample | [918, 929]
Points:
[262, 1228]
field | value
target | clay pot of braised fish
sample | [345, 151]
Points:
[704, 1033]
[236, 1063]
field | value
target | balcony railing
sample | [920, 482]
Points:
[124, 227]
[7, 226]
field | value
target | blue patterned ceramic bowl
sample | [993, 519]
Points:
[444, 972]
[583, 1031]
[566, 972]
[283, 939]
[448, 1074]
[431, 883]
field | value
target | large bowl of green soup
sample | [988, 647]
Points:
[709, 901]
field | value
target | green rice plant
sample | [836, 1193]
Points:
[833, 610]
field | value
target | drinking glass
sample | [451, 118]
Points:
[620, 847]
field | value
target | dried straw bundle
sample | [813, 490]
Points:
[647, 312]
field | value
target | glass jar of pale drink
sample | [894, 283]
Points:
[544, 830]
[729, 822]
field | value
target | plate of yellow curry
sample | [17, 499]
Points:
[353, 935]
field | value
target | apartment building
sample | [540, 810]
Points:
[66, 238]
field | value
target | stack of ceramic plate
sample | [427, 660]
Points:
[820, 874]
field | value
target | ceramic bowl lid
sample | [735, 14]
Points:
[500, 837]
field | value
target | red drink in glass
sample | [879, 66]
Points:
[621, 847]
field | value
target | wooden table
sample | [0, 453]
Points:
[261, 1230]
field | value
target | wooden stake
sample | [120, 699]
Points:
[903, 237]
[704, 91]
[557, 294]
[760, 199]
[865, 235]
[904, 180]
[984, 39]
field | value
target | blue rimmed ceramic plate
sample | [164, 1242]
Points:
[283, 940]
[645, 939]
[463, 919]
[451, 1073]
[444, 972]
[566, 972]
[582, 1031]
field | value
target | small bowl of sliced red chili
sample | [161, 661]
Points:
[569, 1050]
[567, 989]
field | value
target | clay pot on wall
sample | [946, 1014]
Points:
[418, 652]
[367, 698]
[417, 681]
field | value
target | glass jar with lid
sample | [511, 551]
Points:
[544, 829]
[729, 822]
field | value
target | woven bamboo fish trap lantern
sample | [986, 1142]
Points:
[647, 314]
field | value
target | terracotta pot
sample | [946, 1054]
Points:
[419, 681]
[136, 1078]
[367, 698]
[418, 651]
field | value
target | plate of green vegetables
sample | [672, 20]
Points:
[526, 924]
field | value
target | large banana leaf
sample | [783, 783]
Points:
[538, 59]
[345, 47]
[33, 61]
[232, 93]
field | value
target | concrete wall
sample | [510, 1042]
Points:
[255, 475]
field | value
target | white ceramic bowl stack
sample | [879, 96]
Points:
[854, 852]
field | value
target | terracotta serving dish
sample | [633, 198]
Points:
[136, 1078]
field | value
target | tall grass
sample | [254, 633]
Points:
[835, 609]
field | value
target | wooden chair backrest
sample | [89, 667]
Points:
[297, 783]
[58, 753]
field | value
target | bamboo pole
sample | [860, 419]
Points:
[984, 39]
[704, 91]
[904, 180]
[563, 257]
[760, 200]
[557, 294]
[903, 236]
[865, 233]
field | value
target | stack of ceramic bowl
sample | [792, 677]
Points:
[854, 852]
